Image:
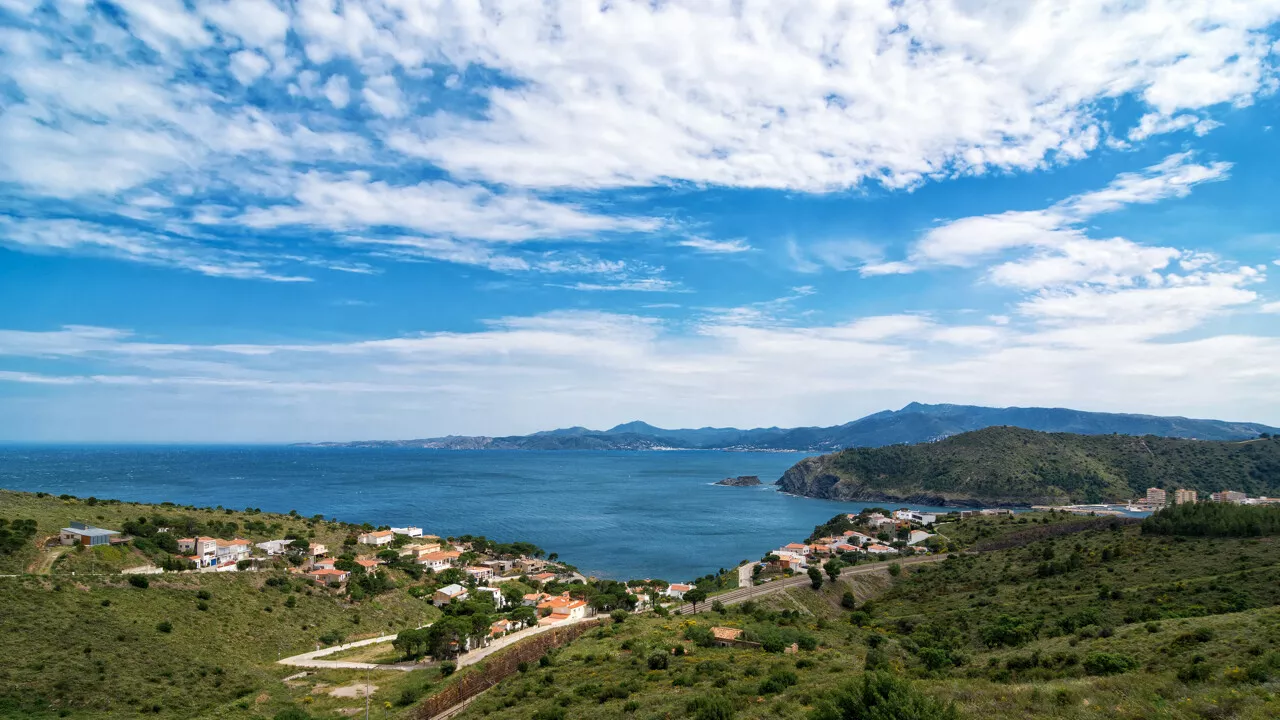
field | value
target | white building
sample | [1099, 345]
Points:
[381, 537]
[410, 531]
[207, 552]
[495, 594]
[274, 547]
[448, 594]
[917, 536]
[81, 534]
[677, 590]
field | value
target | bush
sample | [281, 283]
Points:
[778, 681]
[139, 581]
[848, 601]
[1101, 663]
[551, 712]
[658, 661]
[619, 616]
[292, 714]
[710, 707]
[700, 635]
[448, 668]
[204, 595]
[880, 695]
[895, 569]
[164, 626]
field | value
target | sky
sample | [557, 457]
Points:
[250, 221]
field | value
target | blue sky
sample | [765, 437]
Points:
[248, 221]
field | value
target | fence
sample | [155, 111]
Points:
[501, 666]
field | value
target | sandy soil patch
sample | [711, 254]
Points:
[354, 690]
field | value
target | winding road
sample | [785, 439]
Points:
[733, 597]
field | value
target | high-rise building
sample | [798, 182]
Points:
[1181, 496]
[1156, 496]
[1228, 496]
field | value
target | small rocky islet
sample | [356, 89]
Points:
[741, 481]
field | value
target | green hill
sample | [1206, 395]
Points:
[1104, 622]
[1007, 465]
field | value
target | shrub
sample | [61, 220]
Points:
[848, 601]
[778, 681]
[717, 606]
[204, 595]
[202, 606]
[164, 626]
[448, 668]
[619, 616]
[658, 661]
[1195, 671]
[292, 714]
[895, 569]
[710, 707]
[612, 692]
[139, 581]
[551, 712]
[880, 695]
[700, 635]
[1102, 663]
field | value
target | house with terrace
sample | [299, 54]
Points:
[214, 553]
[377, 538]
[439, 560]
[560, 608]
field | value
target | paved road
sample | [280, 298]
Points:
[308, 659]
[749, 592]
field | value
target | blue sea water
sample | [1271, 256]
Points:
[613, 514]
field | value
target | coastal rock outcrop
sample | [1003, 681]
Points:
[741, 481]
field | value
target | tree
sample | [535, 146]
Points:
[524, 615]
[832, 567]
[815, 578]
[695, 596]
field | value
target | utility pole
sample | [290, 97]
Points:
[366, 694]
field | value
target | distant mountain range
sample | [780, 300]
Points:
[915, 423]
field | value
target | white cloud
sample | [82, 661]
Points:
[633, 285]
[706, 245]
[383, 96]
[1271, 307]
[832, 96]
[1102, 351]
[248, 66]
[86, 238]
[355, 201]
[338, 91]
[1114, 262]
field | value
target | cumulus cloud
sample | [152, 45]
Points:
[523, 373]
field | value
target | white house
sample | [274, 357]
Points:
[410, 531]
[494, 594]
[920, 518]
[790, 560]
[381, 537]
[561, 608]
[878, 522]
[857, 538]
[878, 549]
[439, 560]
[479, 572]
[532, 599]
[677, 590]
[317, 549]
[207, 552]
[797, 548]
[917, 536]
[274, 547]
[448, 594]
[81, 534]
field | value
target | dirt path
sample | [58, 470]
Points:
[43, 565]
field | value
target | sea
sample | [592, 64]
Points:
[613, 514]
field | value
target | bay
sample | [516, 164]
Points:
[614, 514]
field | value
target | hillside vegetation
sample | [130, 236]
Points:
[1104, 622]
[1007, 465]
